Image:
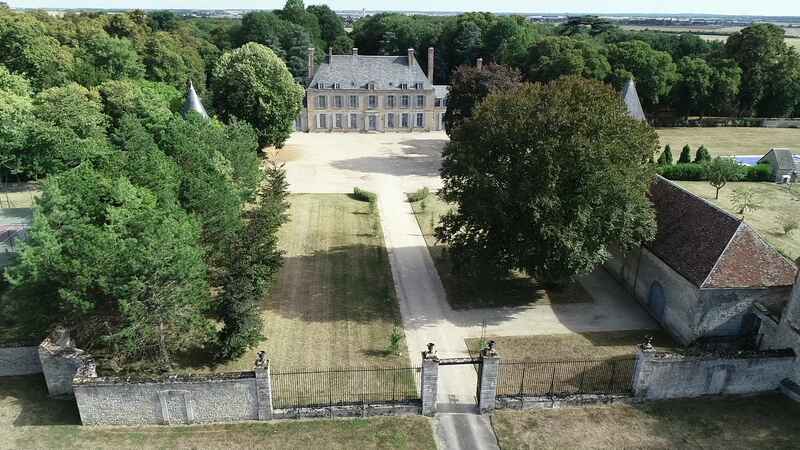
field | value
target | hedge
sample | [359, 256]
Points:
[364, 195]
[696, 172]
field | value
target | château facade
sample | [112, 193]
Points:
[357, 93]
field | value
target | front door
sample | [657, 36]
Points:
[373, 122]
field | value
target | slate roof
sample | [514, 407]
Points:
[355, 72]
[785, 159]
[710, 247]
[441, 90]
[193, 103]
[631, 98]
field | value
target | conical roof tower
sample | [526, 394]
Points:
[193, 103]
[631, 98]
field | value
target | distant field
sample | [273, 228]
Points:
[775, 201]
[720, 33]
[730, 140]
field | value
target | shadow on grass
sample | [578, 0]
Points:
[418, 157]
[24, 398]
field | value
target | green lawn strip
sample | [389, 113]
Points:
[465, 293]
[574, 346]
[729, 140]
[775, 200]
[731, 423]
[31, 420]
[333, 304]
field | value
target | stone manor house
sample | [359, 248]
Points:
[356, 93]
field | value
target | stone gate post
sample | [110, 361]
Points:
[430, 381]
[487, 378]
[263, 387]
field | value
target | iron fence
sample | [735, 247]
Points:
[336, 387]
[562, 378]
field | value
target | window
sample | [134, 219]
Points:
[322, 101]
[323, 121]
[371, 86]
[420, 101]
[337, 101]
[353, 103]
[337, 86]
[420, 120]
[353, 121]
[372, 120]
[404, 101]
[417, 85]
[390, 101]
[390, 120]
[404, 120]
[338, 121]
[373, 101]
[438, 103]
[404, 86]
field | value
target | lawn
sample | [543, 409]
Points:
[30, 420]
[731, 423]
[469, 293]
[776, 201]
[575, 346]
[18, 195]
[333, 304]
[729, 140]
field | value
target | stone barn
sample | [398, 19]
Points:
[704, 270]
[784, 164]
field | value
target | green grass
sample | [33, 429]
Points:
[775, 201]
[729, 140]
[732, 423]
[465, 293]
[30, 420]
[333, 304]
[594, 345]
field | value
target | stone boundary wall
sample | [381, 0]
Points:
[366, 410]
[548, 402]
[665, 375]
[170, 400]
[19, 360]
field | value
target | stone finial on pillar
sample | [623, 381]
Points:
[487, 378]
[263, 386]
[479, 64]
[647, 345]
[429, 387]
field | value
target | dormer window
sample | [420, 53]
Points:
[404, 86]
[418, 86]
[371, 86]
[336, 86]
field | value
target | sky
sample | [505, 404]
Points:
[733, 7]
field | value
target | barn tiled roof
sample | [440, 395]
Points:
[785, 159]
[631, 98]
[356, 71]
[710, 247]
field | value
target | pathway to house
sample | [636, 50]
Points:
[391, 166]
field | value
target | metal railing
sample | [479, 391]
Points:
[337, 387]
[562, 378]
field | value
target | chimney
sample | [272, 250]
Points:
[430, 64]
[330, 54]
[311, 51]
[411, 59]
[355, 54]
[479, 64]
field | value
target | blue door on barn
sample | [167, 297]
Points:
[656, 301]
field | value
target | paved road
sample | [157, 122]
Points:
[391, 165]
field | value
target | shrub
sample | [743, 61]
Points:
[683, 172]
[788, 223]
[394, 341]
[702, 155]
[666, 158]
[421, 194]
[759, 172]
[364, 195]
[686, 155]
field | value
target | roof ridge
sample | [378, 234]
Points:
[707, 202]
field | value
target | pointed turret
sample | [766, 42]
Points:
[631, 98]
[193, 103]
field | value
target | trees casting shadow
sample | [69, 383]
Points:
[28, 395]
[419, 157]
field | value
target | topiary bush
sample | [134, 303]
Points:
[364, 195]
[702, 155]
[666, 157]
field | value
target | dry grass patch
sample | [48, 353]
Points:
[333, 303]
[733, 423]
[30, 420]
[575, 346]
[776, 202]
[463, 293]
[729, 140]
[18, 195]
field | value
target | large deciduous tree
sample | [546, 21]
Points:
[470, 86]
[654, 71]
[556, 56]
[546, 177]
[252, 83]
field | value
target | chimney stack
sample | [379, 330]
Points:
[411, 59]
[311, 51]
[479, 64]
[430, 64]
[330, 54]
[355, 53]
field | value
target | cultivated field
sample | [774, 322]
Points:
[31, 420]
[594, 345]
[732, 423]
[333, 304]
[776, 202]
[469, 293]
[729, 140]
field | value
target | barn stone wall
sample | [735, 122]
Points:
[19, 360]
